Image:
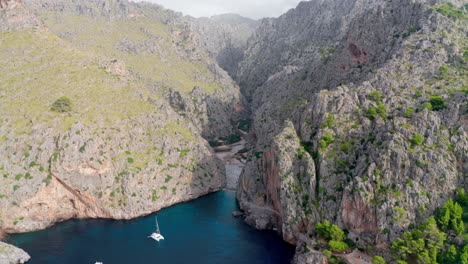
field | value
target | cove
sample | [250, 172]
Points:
[201, 231]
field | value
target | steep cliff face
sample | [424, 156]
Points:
[119, 152]
[104, 108]
[158, 47]
[224, 37]
[15, 16]
[359, 118]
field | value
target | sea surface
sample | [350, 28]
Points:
[202, 231]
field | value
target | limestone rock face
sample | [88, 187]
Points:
[110, 129]
[14, 15]
[311, 258]
[339, 90]
[11, 255]
[224, 37]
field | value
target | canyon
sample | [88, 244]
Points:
[351, 111]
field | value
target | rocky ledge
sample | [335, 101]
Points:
[12, 255]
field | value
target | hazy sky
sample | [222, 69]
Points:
[248, 8]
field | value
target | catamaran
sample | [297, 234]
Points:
[157, 235]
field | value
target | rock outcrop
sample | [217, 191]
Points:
[224, 37]
[14, 15]
[339, 92]
[12, 255]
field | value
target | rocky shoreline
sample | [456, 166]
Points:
[12, 255]
[229, 154]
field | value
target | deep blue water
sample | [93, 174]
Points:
[199, 232]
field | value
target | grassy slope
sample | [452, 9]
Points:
[164, 66]
[38, 68]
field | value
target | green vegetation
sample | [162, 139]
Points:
[417, 140]
[338, 246]
[130, 160]
[177, 130]
[422, 244]
[427, 106]
[325, 54]
[184, 152]
[438, 103]
[168, 178]
[450, 217]
[418, 94]
[154, 196]
[444, 72]
[450, 11]
[111, 39]
[300, 152]
[82, 148]
[329, 231]
[97, 96]
[399, 215]
[378, 260]
[346, 146]
[371, 113]
[376, 96]
[326, 140]
[428, 243]
[19, 176]
[62, 105]
[409, 112]
[381, 110]
[333, 235]
[330, 122]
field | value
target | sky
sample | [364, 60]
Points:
[250, 8]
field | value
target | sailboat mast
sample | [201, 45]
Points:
[157, 225]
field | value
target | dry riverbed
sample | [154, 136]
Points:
[234, 163]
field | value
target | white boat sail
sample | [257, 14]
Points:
[157, 235]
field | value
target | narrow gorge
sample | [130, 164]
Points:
[346, 120]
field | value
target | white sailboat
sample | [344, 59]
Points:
[157, 235]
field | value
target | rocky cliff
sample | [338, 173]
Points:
[224, 37]
[12, 255]
[105, 109]
[360, 118]
[16, 16]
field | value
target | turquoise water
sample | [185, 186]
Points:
[199, 232]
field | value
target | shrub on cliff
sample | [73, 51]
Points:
[417, 140]
[62, 105]
[371, 113]
[438, 103]
[338, 246]
[409, 112]
[378, 260]
[376, 96]
[333, 235]
[326, 140]
[329, 231]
